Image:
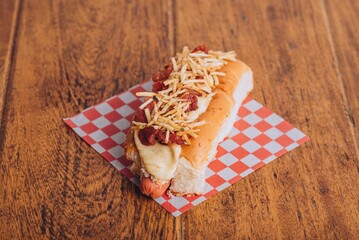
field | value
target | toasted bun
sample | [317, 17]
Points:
[218, 111]
[220, 117]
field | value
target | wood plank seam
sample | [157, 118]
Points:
[8, 69]
[174, 23]
[172, 30]
[339, 74]
[63, 72]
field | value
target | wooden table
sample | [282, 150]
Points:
[59, 57]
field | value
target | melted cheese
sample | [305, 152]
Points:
[203, 103]
[159, 160]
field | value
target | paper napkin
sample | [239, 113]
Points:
[258, 137]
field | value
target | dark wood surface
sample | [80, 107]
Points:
[59, 57]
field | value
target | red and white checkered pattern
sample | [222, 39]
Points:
[258, 137]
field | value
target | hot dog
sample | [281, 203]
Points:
[191, 109]
[151, 188]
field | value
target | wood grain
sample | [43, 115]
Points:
[9, 12]
[345, 46]
[54, 185]
[7, 9]
[69, 55]
[301, 194]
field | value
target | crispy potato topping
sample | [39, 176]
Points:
[196, 72]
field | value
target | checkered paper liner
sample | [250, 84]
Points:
[258, 137]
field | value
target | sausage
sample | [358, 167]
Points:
[153, 189]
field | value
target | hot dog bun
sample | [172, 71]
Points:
[220, 117]
[225, 103]
[189, 177]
